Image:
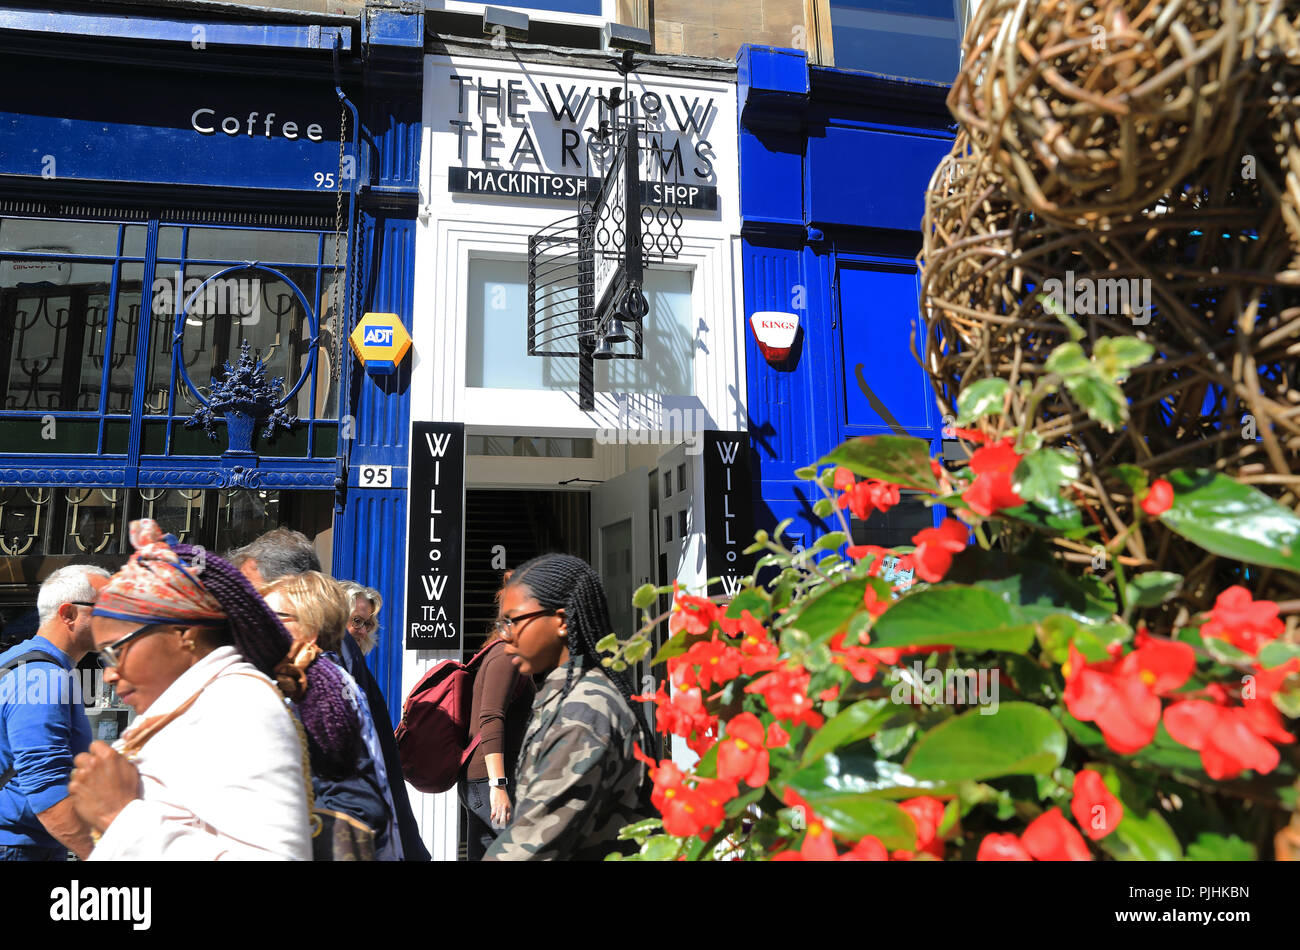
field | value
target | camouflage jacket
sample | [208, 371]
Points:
[578, 780]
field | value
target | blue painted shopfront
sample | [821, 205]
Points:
[149, 166]
[833, 169]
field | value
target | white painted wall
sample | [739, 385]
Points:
[453, 227]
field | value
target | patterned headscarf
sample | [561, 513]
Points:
[155, 586]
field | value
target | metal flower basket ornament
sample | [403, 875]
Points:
[243, 398]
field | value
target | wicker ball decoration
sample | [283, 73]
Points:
[1094, 109]
[1211, 265]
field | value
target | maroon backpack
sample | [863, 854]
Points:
[433, 737]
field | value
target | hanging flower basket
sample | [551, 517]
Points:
[244, 398]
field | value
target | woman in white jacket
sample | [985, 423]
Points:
[215, 768]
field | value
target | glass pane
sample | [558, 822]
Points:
[668, 364]
[242, 306]
[126, 326]
[178, 511]
[243, 515]
[133, 241]
[59, 237]
[25, 520]
[52, 312]
[241, 244]
[169, 242]
[896, 526]
[498, 311]
[93, 520]
[915, 39]
[34, 435]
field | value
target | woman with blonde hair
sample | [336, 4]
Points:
[314, 607]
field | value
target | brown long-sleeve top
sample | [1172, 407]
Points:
[501, 721]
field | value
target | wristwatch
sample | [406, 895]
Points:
[498, 782]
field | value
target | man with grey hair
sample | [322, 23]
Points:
[43, 723]
[274, 555]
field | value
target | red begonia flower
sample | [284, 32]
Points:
[863, 498]
[1163, 665]
[741, 753]
[695, 615]
[868, 849]
[1247, 624]
[1050, 837]
[935, 548]
[1227, 737]
[715, 662]
[1159, 498]
[1096, 810]
[818, 842]
[927, 813]
[844, 479]
[970, 435]
[1123, 706]
[1002, 847]
[758, 652]
[786, 693]
[993, 466]
[874, 551]
[777, 737]
[875, 604]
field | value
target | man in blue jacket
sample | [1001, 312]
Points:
[43, 724]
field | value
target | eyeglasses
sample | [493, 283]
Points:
[110, 655]
[356, 623]
[504, 627]
[82, 603]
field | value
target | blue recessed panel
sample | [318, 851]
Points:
[885, 387]
[864, 178]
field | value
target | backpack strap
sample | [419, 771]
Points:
[8, 774]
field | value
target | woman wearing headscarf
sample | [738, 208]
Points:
[579, 779]
[215, 767]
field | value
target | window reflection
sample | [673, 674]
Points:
[915, 39]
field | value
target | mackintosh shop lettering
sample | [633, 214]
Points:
[530, 138]
[728, 523]
[435, 536]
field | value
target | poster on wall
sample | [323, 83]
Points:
[728, 512]
[435, 536]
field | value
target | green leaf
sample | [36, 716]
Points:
[1214, 847]
[834, 788]
[1142, 837]
[981, 398]
[955, 615]
[660, 848]
[807, 473]
[828, 609]
[859, 721]
[1039, 476]
[636, 650]
[1225, 652]
[1233, 520]
[1034, 585]
[677, 644]
[1276, 653]
[644, 596]
[823, 507]
[1059, 515]
[755, 601]
[831, 541]
[1153, 588]
[901, 460]
[894, 740]
[1287, 697]
[608, 644]
[1017, 739]
[637, 831]
[1133, 477]
[1117, 356]
[780, 528]
[1100, 399]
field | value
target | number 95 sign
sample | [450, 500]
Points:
[376, 476]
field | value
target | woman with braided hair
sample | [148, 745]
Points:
[215, 768]
[579, 781]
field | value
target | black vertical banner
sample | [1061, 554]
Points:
[435, 536]
[728, 508]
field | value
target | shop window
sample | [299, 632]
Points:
[668, 484]
[914, 39]
[497, 336]
[896, 526]
[76, 306]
